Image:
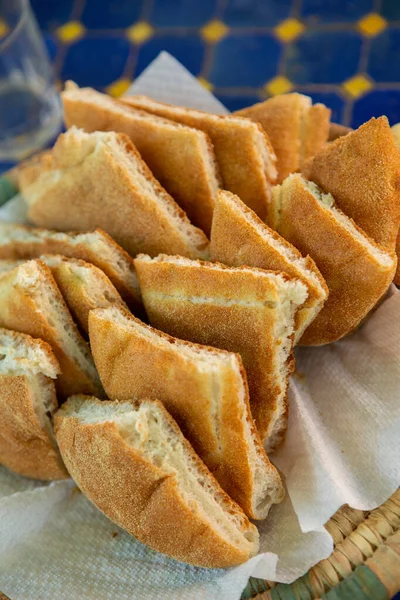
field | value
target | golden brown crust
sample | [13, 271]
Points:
[143, 499]
[181, 158]
[72, 245]
[232, 309]
[82, 291]
[317, 131]
[362, 171]
[90, 184]
[281, 117]
[355, 279]
[25, 446]
[237, 239]
[21, 311]
[136, 361]
[242, 149]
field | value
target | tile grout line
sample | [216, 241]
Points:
[209, 47]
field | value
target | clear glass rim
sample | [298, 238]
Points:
[11, 35]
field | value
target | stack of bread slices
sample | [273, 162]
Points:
[148, 315]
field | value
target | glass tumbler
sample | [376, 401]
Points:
[30, 107]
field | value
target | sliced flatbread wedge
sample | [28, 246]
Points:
[357, 271]
[132, 461]
[297, 129]
[27, 402]
[362, 172]
[248, 311]
[180, 157]
[30, 302]
[100, 180]
[239, 237]
[203, 388]
[96, 247]
[244, 154]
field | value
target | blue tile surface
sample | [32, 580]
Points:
[181, 13]
[245, 60]
[103, 14]
[188, 49]
[335, 11]
[384, 58]
[323, 57]
[52, 13]
[96, 61]
[325, 50]
[253, 13]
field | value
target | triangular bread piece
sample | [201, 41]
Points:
[362, 172]
[27, 401]
[248, 311]
[96, 247]
[83, 286]
[100, 180]
[244, 154]
[203, 388]
[180, 157]
[297, 129]
[239, 237]
[30, 302]
[357, 271]
[131, 460]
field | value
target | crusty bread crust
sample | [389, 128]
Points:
[209, 402]
[362, 171]
[355, 279]
[100, 180]
[244, 153]
[83, 286]
[96, 247]
[181, 158]
[25, 447]
[281, 118]
[144, 499]
[22, 311]
[239, 237]
[230, 308]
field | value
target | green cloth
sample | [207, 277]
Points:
[7, 190]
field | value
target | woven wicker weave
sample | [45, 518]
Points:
[365, 564]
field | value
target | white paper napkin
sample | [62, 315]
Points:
[342, 446]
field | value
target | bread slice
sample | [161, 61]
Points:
[296, 128]
[203, 388]
[180, 157]
[242, 310]
[239, 237]
[244, 154]
[132, 461]
[96, 247]
[99, 180]
[27, 402]
[30, 302]
[362, 172]
[356, 270]
[83, 286]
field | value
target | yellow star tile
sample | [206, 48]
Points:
[119, 87]
[278, 85]
[214, 31]
[71, 32]
[140, 32]
[205, 83]
[3, 28]
[289, 30]
[357, 86]
[372, 24]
